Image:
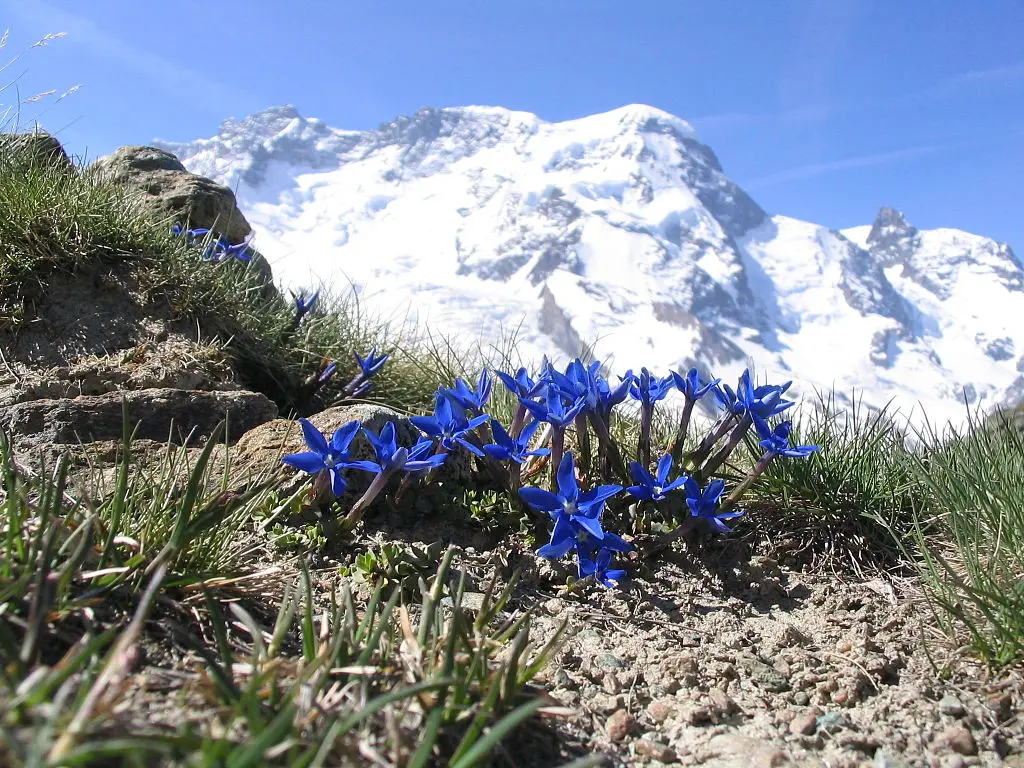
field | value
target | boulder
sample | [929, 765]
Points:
[174, 415]
[41, 147]
[173, 194]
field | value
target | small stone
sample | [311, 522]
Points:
[660, 710]
[1002, 706]
[603, 702]
[610, 683]
[832, 721]
[801, 698]
[608, 661]
[884, 759]
[805, 723]
[619, 724]
[561, 679]
[696, 715]
[655, 750]
[951, 705]
[960, 740]
[555, 606]
[721, 703]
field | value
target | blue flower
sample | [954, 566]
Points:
[333, 457]
[507, 448]
[690, 384]
[598, 568]
[449, 425]
[608, 398]
[704, 504]
[776, 441]
[654, 488]
[579, 382]
[649, 389]
[470, 399]
[394, 458]
[303, 303]
[325, 375]
[764, 401]
[521, 385]
[371, 364]
[572, 512]
[553, 410]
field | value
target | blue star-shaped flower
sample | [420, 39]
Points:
[553, 410]
[776, 440]
[371, 363]
[654, 488]
[449, 425]
[304, 303]
[332, 457]
[764, 401]
[649, 389]
[521, 385]
[598, 567]
[569, 509]
[507, 448]
[690, 384]
[704, 504]
[393, 457]
[467, 399]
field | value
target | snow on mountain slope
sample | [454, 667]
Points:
[622, 230]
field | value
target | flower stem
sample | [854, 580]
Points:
[684, 426]
[583, 442]
[355, 515]
[748, 481]
[557, 449]
[666, 541]
[643, 448]
[719, 458]
[605, 439]
[712, 437]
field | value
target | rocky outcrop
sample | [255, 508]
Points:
[173, 194]
[38, 147]
[173, 415]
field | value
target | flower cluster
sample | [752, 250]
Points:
[215, 249]
[575, 404]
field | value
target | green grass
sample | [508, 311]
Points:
[306, 683]
[59, 220]
[971, 536]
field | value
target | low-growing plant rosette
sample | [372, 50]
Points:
[559, 416]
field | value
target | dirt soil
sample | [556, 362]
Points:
[727, 660]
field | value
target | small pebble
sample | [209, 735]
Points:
[610, 683]
[619, 724]
[884, 759]
[951, 705]
[805, 723]
[655, 750]
[608, 661]
[960, 740]
[801, 698]
[659, 710]
[832, 720]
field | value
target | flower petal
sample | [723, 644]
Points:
[307, 461]
[314, 437]
[566, 477]
[541, 500]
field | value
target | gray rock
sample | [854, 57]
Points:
[160, 414]
[172, 195]
[34, 147]
[951, 705]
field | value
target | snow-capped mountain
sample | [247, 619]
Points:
[620, 230]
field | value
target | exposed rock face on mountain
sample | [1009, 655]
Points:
[619, 230]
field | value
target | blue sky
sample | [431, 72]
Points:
[822, 109]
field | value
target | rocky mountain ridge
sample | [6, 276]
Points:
[620, 230]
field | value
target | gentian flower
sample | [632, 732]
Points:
[764, 401]
[654, 488]
[468, 399]
[704, 504]
[516, 449]
[393, 457]
[648, 390]
[325, 375]
[776, 440]
[449, 425]
[304, 304]
[553, 410]
[693, 390]
[598, 568]
[521, 385]
[572, 512]
[372, 363]
[332, 457]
